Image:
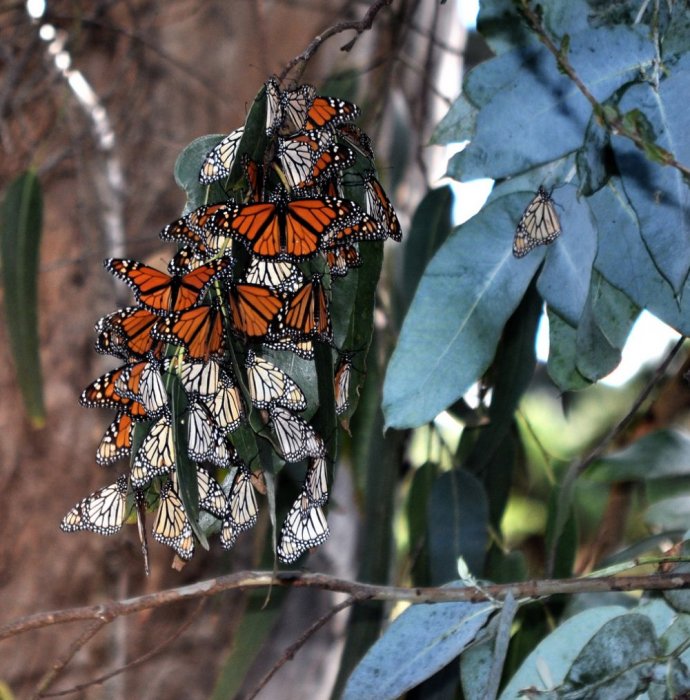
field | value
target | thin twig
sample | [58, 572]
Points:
[359, 26]
[297, 645]
[246, 580]
[136, 662]
[578, 467]
[612, 123]
[58, 667]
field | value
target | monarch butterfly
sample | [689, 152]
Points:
[226, 405]
[171, 526]
[356, 138]
[284, 229]
[296, 438]
[268, 385]
[162, 293]
[307, 315]
[198, 377]
[538, 225]
[305, 161]
[242, 510]
[294, 110]
[342, 377]
[102, 393]
[199, 330]
[156, 455]
[280, 276]
[126, 333]
[190, 229]
[303, 529]
[117, 440]
[252, 309]
[341, 259]
[316, 481]
[102, 512]
[219, 161]
[379, 206]
[142, 382]
[255, 176]
[184, 261]
[201, 436]
[303, 348]
[211, 496]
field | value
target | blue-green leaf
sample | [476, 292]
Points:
[658, 193]
[562, 363]
[469, 290]
[539, 112]
[623, 259]
[558, 651]
[20, 242]
[420, 642]
[564, 281]
[611, 665]
[457, 125]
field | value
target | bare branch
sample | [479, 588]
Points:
[359, 26]
[296, 646]
[247, 580]
[136, 662]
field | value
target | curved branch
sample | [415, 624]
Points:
[359, 26]
[246, 580]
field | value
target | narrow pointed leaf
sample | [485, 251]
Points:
[20, 239]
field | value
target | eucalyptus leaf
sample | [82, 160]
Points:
[659, 194]
[469, 290]
[417, 644]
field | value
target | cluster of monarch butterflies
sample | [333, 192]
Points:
[254, 274]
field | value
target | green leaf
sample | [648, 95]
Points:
[660, 454]
[417, 644]
[469, 290]
[558, 651]
[670, 513]
[561, 533]
[187, 481]
[457, 525]
[20, 241]
[606, 322]
[562, 362]
[21, 221]
[416, 512]
[659, 194]
[431, 226]
[610, 666]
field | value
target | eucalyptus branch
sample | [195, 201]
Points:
[607, 117]
[359, 592]
[360, 26]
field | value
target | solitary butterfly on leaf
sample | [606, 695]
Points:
[539, 225]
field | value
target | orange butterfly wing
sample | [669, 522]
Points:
[253, 308]
[200, 330]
